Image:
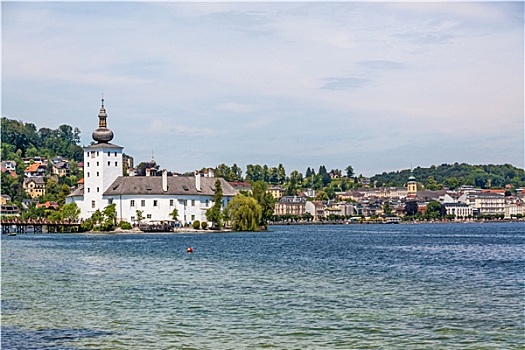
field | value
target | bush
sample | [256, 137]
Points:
[125, 225]
[86, 225]
[204, 225]
[196, 224]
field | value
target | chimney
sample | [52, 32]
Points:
[148, 171]
[164, 180]
[197, 181]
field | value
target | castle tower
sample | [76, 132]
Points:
[102, 166]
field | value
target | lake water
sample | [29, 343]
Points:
[442, 286]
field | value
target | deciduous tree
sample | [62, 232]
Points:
[245, 213]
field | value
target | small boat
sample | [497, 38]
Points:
[11, 233]
[157, 226]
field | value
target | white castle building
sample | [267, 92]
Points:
[154, 196]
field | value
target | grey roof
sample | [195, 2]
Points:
[177, 185]
[36, 179]
[102, 145]
[79, 191]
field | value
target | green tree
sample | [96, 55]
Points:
[435, 210]
[214, 214]
[349, 171]
[321, 196]
[387, 209]
[70, 211]
[33, 212]
[432, 185]
[109, 218]
[140, 215]
[265, 200]
[245, 213]
[411, 208]
[174, 214]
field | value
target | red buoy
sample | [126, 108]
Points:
[189, 250]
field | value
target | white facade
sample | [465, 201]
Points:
[102, 165]
[513, 210]
[160, 207]
[459, 210]
[155, 197]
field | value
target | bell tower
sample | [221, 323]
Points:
[412, 186]
[102, 166]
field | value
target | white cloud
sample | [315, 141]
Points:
[326, 81]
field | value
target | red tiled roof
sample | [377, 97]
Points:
[33, 168]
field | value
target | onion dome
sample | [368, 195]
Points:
[102, 134]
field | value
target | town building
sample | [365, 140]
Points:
[458, 210]
[276, 191]
[35, 169]
[487, 203]
[60, 166]
[315, 209]
[8, 165]
[290, 205]
[150, 197]
[34, 186]
[9, 210]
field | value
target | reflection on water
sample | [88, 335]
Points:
[336, 287]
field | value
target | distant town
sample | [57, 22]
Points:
[46, 174]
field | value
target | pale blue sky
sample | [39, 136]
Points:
[379, 86]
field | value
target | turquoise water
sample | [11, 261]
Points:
[450, 286]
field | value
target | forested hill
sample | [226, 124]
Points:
[21, 139]
[454, 175]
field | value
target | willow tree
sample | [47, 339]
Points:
[244, 213]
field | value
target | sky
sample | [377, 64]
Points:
[378, 86]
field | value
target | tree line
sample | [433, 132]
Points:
[452, 176]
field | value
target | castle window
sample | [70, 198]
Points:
[98, 163]
[98, 189]
[142, 202]
[115, 154]
[132, 203]
[88, 189]
[93, 204]
[193, 202]
[155, 202]
[110, 201]
[97, 173]
[97, 153]
[116, 164]
[88, 174]
[148, 216]
[88, 163]
[109, 163]
[171, 202]
[109, 154]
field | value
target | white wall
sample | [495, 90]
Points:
[102, 166]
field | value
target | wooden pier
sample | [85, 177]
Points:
[19, 226]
